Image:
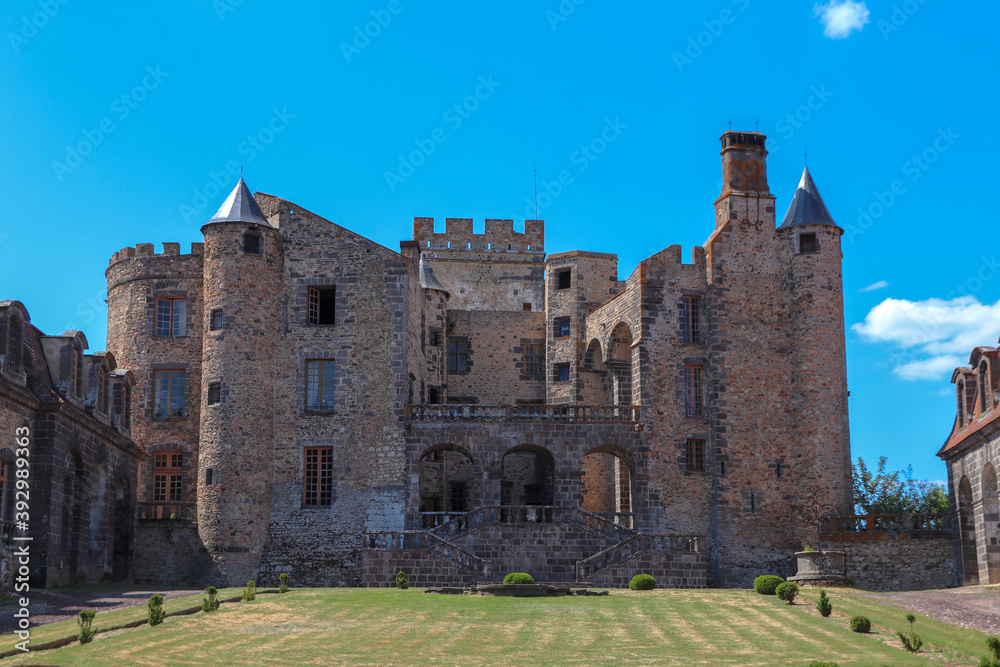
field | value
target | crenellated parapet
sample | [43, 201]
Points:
[499, 237]
[147, 250]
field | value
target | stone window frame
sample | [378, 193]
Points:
[219, 311]
[695, 455]
[314, 299]
[557, 372]
[76, 371]
[260, 243]
[121, 400]
[151, 391]
[342, 313]
[557, 323]
[319, 477]
[104, 388]
[693, 387]
[174, 322]
[170, 293]
[532, 357]
[325, 407]
[458, 356]
[172, 472]
[559, 274]
[800, 243]
[690, 319]
[214, 391]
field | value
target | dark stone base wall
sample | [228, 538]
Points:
[422, 569]
[170, 555]
[898, 562]
[548, 553]
[671, 570]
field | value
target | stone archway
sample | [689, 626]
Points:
[967, 534]
[607, 475]
[527, 476]
[447, 484]
[991, 523]
[619, 364]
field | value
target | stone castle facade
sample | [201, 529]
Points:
[319, 404]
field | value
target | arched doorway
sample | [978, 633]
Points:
[594, 375]
[619, 363]
[527, 477]
[606, 478]
[991, 512]
[967, 534]
[447, 479]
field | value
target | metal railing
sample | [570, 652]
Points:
[613, 526]
[623, 414]
[886, 523]
[422, 540]
[169, 511]
[637, 544]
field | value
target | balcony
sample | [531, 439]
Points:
[169, 511]
[577, 414]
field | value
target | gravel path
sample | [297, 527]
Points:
[975, 607]
[52, 606]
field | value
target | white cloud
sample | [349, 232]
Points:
[874, 286]
[841, 17]
[935, 335]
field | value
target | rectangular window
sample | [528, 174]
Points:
[167, 476]
[123, 404]
[692, 391]
[171, 317]
[561, 327]
[534, 360]
[526, 307]
[458, 356]
[322, 305]
[562, 372]
[808, 243]
[696, 455]
[214, 393]
[209, 476]
[319, 385]
[215, 320]
[456, 496]
[251, 244]
[564, 279]
[691, 320]
[434, 338]
[318, 480]
[168, 401]
[433, 395]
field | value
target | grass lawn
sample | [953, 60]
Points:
[393, 627]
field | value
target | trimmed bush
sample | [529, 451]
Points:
[156, 613]
[211, 600]
[766, 583]
[993, 644]
[250, 592]
[283, 587]
[642, 582]
[401, 581]
[787, 591]
[861, 624]
[817, 663]
[911, 640]
[824, 606]
[515, 578]
[86, 632]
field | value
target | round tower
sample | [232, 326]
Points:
[241, 329]
[812, 243]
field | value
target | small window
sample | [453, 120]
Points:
[171, 317]
[209, 476]
[319, 385]
[434, 338]
[123, 404]
[691, 320]
[534, 360]
[167, 476]
[318, 478]
[214, 393]
[322, 305]
[564, 279]
[458, 356]
[561, 327]
[215, 320]
[526, 307]
[251, 243]
[692, 391]
[168, 400]
[808, 243]
[696, 455]
[433, 395]
[562, 372]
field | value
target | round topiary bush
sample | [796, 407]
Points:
[861, 624]
[787, 591]
[767, 583]
[518, 578]
[642, 582]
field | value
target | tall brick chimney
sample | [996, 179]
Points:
[744, 163]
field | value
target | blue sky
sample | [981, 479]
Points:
[117, 123]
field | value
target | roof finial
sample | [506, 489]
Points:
[805, 155]
[757, 124]
[241, 168]
[730, 121]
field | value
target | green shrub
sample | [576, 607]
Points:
[817, 663]
[401, 581]
[211, 600]
[766, 583]
[518, 578]
[156, 613]
[787, 591]
[283, 577]
[911, 640]
[861, 624]
[250, 592]
[86, 632]
[642, 582]
[824, 606]
[993, 644]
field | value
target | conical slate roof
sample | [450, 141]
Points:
[807, 207]
[427, 278]
[240, 207]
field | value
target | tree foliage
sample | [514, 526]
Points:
[881, 492]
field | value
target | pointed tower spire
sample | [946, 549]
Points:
[807, 207]
[240, 206]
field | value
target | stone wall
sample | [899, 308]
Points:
[172, 554]
[898, 562]
[671, 570]
[548, 552]
[423, 569]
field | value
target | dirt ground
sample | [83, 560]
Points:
[975, 607]
[52, 606]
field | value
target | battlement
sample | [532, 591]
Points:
[499, 237]
[146, 250]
